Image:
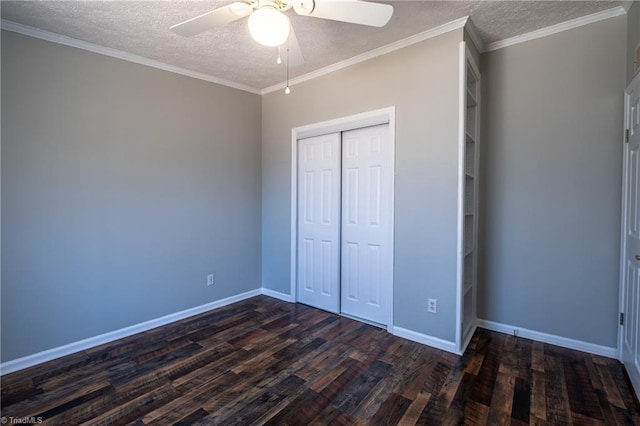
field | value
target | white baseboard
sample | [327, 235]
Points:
[51, 354]
[425, 339]
[445, 345]
[277, 295]
[565, 342]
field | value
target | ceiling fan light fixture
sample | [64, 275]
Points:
[269, 27]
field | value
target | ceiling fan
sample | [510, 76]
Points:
[269, 26]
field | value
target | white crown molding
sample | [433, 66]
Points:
[114, 53]
[51, 354]
[464, 22]
[554, 29]
[627, 5]
[434, 32]
[552, 339]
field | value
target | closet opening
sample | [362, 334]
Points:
[342, 221]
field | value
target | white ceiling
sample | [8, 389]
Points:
[142, 28]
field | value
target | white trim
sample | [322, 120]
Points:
[467, 340]
[50, 354]
[464, 22]
[434, 32]
[342, 124]
[434, 342]
[557, 28]
[552, 339]
[277, 295]
[627, 5]
[623, 205]
[293, 244]
[119, 54]
[445, 345]
[465, 58]
[636, 58]
[462, 111]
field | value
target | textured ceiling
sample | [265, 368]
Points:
[228, 52]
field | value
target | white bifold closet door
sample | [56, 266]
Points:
[347, 200]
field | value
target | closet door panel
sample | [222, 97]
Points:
[367, 270]
[318, 256]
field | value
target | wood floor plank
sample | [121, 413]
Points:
[331, 371]
[443, 391]
[47, 401]
[254, 401]
[538, 403]
[476, 414]
[264, 361]
[18, 390]
[135, 408]
[196, 397]
[482, 391]
[613, 392]
[557, 401]
[455, 412]
[582, 396]
[220, 363]
[537, 356]
[502, 400]
[521, 405]
[412, 414]
[330, 394]
[391, 410]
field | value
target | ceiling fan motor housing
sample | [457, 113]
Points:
[304, 7]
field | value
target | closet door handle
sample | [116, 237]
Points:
[637, 256]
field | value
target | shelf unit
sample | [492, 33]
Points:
[468, 220]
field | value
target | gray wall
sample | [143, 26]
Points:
[633, 37]
[422, 82]
[551, 179]
[122, 187]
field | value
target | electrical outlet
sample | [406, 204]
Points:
[433, 306]
[210, 279]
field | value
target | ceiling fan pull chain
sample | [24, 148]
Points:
[287, 90]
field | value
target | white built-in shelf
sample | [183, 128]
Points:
[471, 99]
[470, 88]
[468, 285]
[469, 138]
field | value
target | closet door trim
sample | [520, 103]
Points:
[366, 119]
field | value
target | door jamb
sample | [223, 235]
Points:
[623, 269]
[352, 122]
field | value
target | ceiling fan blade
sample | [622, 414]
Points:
[295, 53]
[212, 19]
[353, 11]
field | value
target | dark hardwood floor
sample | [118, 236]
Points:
[263, 361]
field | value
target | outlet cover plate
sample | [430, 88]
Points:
[432, 306]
